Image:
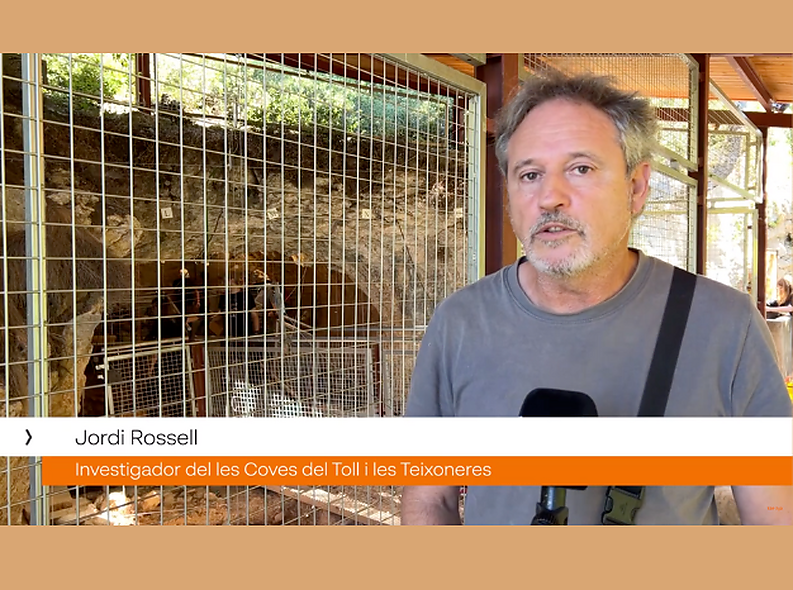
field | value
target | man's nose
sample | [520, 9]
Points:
[554, 192]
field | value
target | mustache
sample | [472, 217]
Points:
[559, 218]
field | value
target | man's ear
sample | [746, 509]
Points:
[640, 187]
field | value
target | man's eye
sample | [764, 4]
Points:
[530, 176]
[583, 169]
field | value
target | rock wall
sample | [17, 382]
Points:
[389, 218]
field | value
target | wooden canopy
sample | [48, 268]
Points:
[765, 78]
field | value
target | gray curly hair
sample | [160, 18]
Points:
[634, 117]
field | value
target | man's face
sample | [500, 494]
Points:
[571, 201]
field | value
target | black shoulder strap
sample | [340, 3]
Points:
[667, 347]
[622, 502]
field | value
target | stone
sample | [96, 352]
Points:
[85, 325]
[119, 238]
[149, 502]
[728, 509]
[69, 515]
[60, 498]
[119, 503]
[168, 500]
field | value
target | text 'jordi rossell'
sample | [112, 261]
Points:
[138, 437]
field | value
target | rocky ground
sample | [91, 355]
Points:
[201, 506]
[185, 506]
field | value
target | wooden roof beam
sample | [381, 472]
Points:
[771, 119]
[750, 54]
[475, 59]
[753, 80]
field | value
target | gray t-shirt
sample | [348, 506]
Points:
[487, 346]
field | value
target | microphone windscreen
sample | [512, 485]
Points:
[557, 403]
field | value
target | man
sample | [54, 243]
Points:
[581, 311]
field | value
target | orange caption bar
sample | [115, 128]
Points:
[363, 471]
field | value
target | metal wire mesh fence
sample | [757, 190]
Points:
[731, 246]
[734, 166]
[225, 234]
[314, 380]
[668, 81]
[149, 381]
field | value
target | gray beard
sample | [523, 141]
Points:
[578, 262]
[569, 267]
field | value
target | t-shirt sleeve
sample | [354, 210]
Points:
[430, 386]
[758, 388]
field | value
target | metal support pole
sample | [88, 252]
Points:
[761, 226]
[35, 270]
[143, 79]
[701, 174]
[477, 176]
[501, 73]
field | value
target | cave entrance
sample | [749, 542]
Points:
[280, 337]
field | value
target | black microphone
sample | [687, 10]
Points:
[556, 403]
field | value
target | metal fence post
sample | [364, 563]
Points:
[35, 271]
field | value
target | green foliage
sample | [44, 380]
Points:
[241, 95]
[89, 75]
[252, 96]
[304, 103]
